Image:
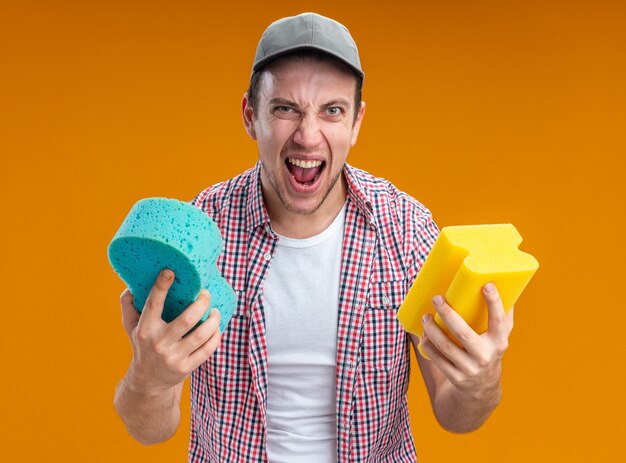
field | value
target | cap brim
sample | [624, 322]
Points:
[271, 57]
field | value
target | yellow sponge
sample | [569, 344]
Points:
[463, 259]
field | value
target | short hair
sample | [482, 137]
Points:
[316, 55]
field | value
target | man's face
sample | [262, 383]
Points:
[304, 126]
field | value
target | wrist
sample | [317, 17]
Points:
[140, 385]
[490, 394]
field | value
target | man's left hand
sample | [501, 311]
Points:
[475, 368]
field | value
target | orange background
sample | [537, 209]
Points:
[486, 111]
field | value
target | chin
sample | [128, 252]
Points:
[302, 207]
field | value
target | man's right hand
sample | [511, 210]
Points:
[162, 357]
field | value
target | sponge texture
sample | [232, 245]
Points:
[463, 259]
[223, 297]
[163, 233]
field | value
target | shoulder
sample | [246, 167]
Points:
[388, 202]
[405, 226]
[233, 192]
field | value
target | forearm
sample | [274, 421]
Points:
[149, 418]
[461, 412]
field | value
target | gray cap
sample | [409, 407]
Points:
[307, 31]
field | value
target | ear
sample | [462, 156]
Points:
[248, 116]
[357, 123]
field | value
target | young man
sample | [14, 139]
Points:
[313, 366]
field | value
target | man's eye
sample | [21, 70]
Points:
[334, 111]
[284, 109]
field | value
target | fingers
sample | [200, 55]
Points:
[443, 343]
[154, 303]
[203, 333]
[189, 317]
[496, 316]
[509, 320]
[458, 327]
[130, 316]
[446, 367]
[203, 353]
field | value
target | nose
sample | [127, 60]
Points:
[308, 133]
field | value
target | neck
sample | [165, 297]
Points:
[300, 226]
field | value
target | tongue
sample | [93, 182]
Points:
[304, 175]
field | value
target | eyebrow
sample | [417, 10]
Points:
[286, 102]
[338, 102]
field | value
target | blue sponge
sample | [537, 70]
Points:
[223, 297]
[163, 233]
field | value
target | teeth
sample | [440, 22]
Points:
[304, 164]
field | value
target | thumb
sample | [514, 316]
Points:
[130, 316]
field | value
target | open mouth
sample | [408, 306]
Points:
[304, 172]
